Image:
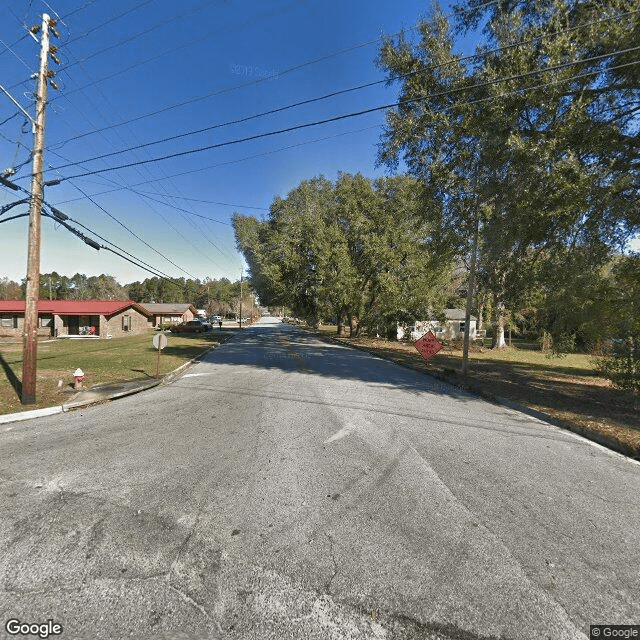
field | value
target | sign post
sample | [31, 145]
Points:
[428, 345]
[159, 342]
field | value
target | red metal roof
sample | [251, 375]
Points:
[74, 307]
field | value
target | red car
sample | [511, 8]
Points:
[193, 326]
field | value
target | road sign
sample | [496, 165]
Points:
[159, 341]
[428, 345]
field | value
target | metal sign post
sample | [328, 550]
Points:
[159, 342]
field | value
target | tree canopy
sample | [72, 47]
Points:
[355, 250]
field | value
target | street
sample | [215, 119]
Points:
[286, 487]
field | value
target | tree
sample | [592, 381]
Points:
[10, 290]
[622, 367]
[544, 171]
[356, 251]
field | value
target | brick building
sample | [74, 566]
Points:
[66, 318]
[170, 313]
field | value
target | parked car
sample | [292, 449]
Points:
[214, 319]
[193, 326]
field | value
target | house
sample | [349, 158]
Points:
[453, 327]
[65, 318]
[170, 313]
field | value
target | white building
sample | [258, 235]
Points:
[451, 329]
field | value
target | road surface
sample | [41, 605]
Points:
[285, 487]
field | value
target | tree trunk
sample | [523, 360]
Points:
[353, 327]
[498, 329]
[480, 310]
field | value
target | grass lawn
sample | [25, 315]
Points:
[101, 361]
[567, 388]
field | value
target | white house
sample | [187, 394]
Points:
[451, 329]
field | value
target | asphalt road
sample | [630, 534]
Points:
[289, 488]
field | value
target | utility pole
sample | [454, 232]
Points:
[241, 276]
[470, 294]
[30, 342]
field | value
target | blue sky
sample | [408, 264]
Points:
[137, 71]
[125, 59]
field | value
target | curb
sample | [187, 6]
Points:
[70, 406]
[598, 438]
[27, 415]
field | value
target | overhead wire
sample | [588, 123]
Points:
[333, 93]
[182, 46]
[339, 117]
[172, 19]
[200, 232]
[60, 218]
[236, 161]
[177, 231]
[111, 243]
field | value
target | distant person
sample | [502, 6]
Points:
[220, 324]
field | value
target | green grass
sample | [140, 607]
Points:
[101, 361]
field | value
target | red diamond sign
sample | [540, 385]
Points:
[428, 345]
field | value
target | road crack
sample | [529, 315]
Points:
[332, 554]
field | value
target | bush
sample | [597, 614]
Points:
[622, 367]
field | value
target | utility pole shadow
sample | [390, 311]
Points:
[12, 377]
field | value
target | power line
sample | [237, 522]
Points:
[119, 44]
[124, 226]
[328, 95]
[56, 213]
[177, 231]
[182, 46]
[13, 44]
[342, 116]
[236, 161]
[82, 8]
[96, 245]
[104, 23]
[61, 218]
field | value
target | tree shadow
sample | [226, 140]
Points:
[11, 376]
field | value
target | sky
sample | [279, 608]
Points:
[134, 72]
[140, 80]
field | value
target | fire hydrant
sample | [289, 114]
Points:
[78, 378]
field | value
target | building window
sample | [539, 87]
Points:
[9, 322]
[45, 321]
[462, 327]
[126, 323]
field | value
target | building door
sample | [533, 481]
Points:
[74, 325]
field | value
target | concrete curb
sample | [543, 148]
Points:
[599, 438]
[70, 406]
[27, 415]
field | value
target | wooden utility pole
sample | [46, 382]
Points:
[241, 275]
[30, 341]
[470, 293]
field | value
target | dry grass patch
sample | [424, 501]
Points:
[568, 388]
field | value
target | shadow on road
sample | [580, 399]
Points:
[291, 350]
